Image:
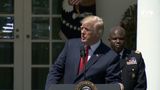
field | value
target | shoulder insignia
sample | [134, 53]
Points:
[138, 52]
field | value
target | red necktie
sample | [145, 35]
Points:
[83, 60]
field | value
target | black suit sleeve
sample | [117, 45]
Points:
[56, 71]
[113, 71]
[141, 79]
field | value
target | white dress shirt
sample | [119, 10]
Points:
[92, 49]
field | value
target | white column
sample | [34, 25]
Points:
[148, 39]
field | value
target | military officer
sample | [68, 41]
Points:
[132, 64]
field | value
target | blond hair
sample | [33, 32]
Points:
[97, 22]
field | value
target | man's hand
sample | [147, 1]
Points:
[74, 2]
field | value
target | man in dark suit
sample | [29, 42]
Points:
[102, 65]
[132, 64]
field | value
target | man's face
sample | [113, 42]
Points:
[89, 35]
[117, 40]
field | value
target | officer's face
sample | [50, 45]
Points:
[117, 40]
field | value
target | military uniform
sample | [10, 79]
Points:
[133, 70]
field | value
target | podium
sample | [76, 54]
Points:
[73, 87]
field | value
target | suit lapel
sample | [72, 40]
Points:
[96, 55]
[77, 61]
[93, 60]
[101, 50]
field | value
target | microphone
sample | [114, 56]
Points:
[82, 52]
[83, 55]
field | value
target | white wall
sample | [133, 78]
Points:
[148, 39]
[111, 11]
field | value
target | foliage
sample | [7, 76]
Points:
[129, 23]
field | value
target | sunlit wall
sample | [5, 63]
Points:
[148, 39]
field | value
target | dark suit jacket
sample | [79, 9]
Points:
[103, 66]
[133, 70]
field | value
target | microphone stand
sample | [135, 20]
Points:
[85, 84]
[83, 55]
[84, 59]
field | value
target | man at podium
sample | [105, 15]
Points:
[101, 64]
